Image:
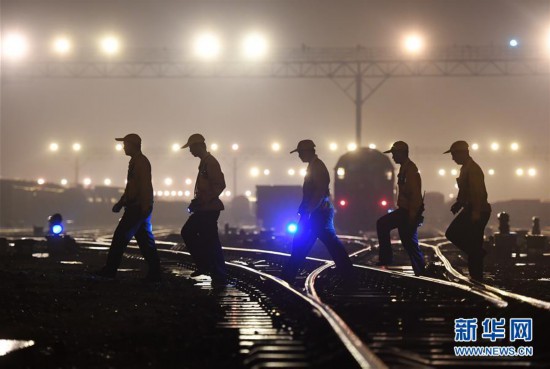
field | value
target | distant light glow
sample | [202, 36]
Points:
[214, 147]
[475, 146]
[119, 147]
[54, 146]
[352, 146]
[15, 46]
[235, 147]
[87, 181]
[454, 172]
[187, 193]
[413, 44]
[107, 182]
[62, 45]
[77, 146]
[275, 146]
[441, 172]
[166, 193]
[207, 46]
[227, 193]
[291, 172]
[267, 172]
[384, 203]
[57, 229]
[532, 172]
[343, 202]
[254, 172]
[372, 146]
[41, 181]
[254, 46]
[188, 181]
[64, 182]
[451, 195]
[519, 172]
[491, 172]
[248, 193]
[514, 146]
[495, 146]
[513, 42]
[341, 173]
[333, 146]
[176, 147]
[292, 228]
[173, 193]
[110, 45]
[303, 172]
[159, 193]
[180, 193]
[168, 181]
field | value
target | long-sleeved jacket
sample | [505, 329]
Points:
[472, 193]
[409, 186]
[316, 186]
[139, 188]
[209, 185]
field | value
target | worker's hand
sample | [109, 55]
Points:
[117, 207]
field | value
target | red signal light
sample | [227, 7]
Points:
[384, 203]
[343, 203]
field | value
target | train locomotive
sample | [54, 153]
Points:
[364, 190]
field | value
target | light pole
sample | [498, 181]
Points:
[235, 148]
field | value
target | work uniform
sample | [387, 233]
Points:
[136, 220]
[464, 231]
[200, 232]
[316, 221]
[405, 218]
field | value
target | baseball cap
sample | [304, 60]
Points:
[304, 145]
[194, 138]
[458, 146]
[130, 138]
[398, 146]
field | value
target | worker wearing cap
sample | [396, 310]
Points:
[406, 217]
[200, 232]
[316, 216]
[137, 201]
[467, 229]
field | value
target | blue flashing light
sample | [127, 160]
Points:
[292, 228]
[57, 229]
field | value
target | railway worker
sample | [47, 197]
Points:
[137, 201]
[316, 217]
[407, 217]
[467, 229]
[200, 232]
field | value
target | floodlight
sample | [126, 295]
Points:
[54, 146]
[110, 45]
[15, 46]
[333, 146]
[62, 45]
[207, 46]
[413, 44]
[254, 46]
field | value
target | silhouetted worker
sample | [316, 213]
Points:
[137, 201]
[467, 229]
[200, 232]
[406, 218]
[316, 217]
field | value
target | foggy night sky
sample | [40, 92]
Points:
[428, 113]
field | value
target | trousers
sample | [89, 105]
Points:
[134, 224]
[408, 234]
[200, 234]
[467, 235]
[320, 225]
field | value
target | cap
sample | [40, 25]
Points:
[458, 146]
[130, 138]
[398, 146]
[304, 145]
[194, 138]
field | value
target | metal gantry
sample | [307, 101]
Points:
[359, 72]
